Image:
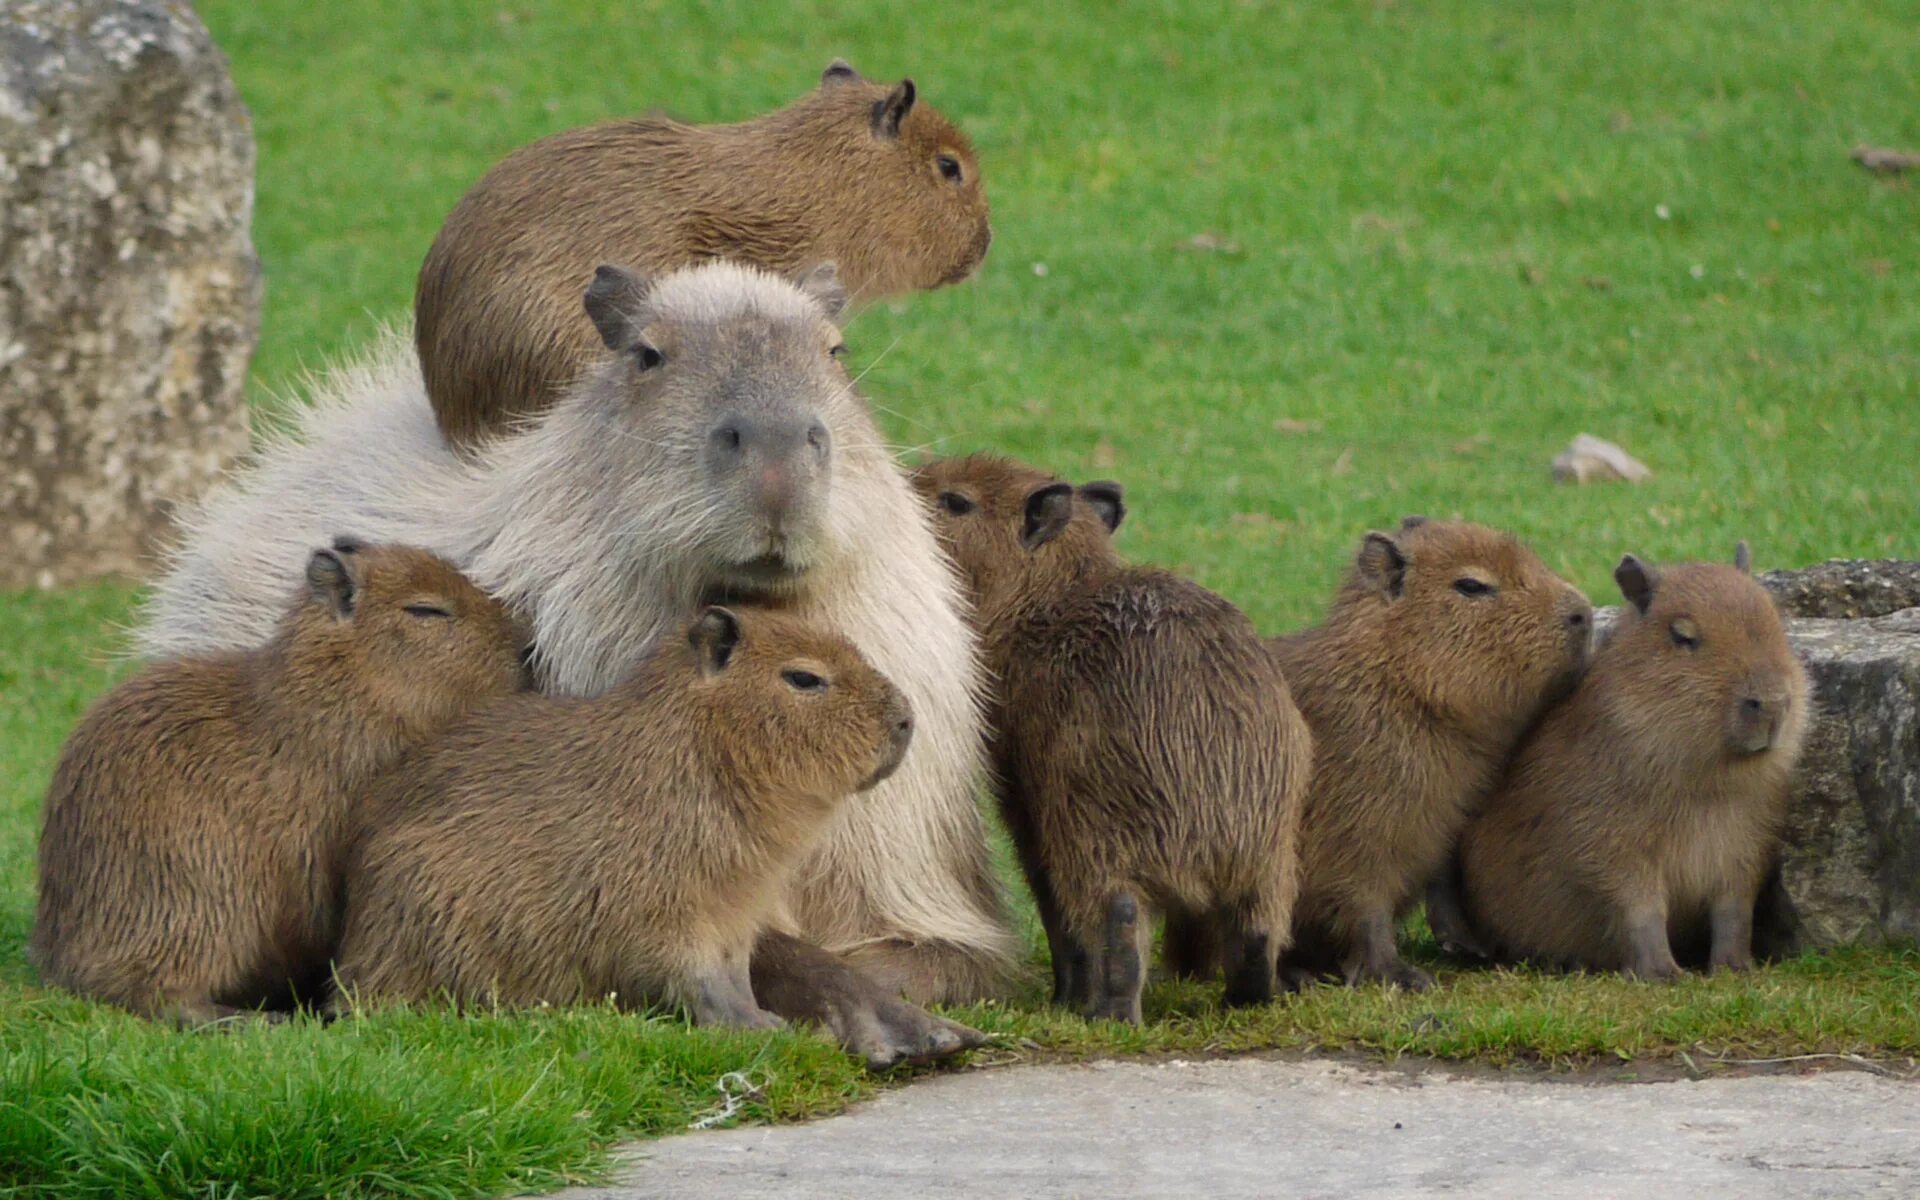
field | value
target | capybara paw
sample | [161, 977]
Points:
[1730, 962]
[1294, 979]
[893, 1032]
[1396, 974]
[1655, 972]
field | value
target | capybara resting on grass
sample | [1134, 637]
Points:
[198, 810]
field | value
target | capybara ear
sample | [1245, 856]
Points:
[1104, 496]
[838, 71]
[617, 302]
[1382, 565]
[1049, 508]
[715, 635]
[1743, 557]
[1411, 521]
[888, 113]
[1637, 581]
[822, 282]
[331, 582]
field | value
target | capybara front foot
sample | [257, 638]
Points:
[890, 1032]
[1399, 974]
[802, 982]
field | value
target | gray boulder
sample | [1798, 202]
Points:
[129, 290]
[1846, 587]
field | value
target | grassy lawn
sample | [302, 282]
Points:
[1288, 270]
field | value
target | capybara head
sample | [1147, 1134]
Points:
[918, 167]
[795, 702]
[1015, 532]
[725, 393]
[402, 632]
[1469, 618]
[1700, 662]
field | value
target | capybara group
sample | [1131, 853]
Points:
[717, 448]
[193, 823]
[1445, 642]
[857, 173]
[1145, 748]
[1648, 805]
[629, 846]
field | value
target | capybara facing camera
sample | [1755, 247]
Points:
[196, 814]
[1146, 752]
[1648, 806]
[631, 846]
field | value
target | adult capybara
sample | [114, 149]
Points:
[196, 813]
[632, 845]
[1444, 644]
[1146, 751]
[1648, 805]
[856, 173]
[718, 449]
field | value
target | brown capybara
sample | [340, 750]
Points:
[630, 846]
[196, 813]
[1444, 644]
[1147, 753]
[1649, 803]
[855, 173]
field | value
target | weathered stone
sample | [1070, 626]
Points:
[1846, 587]
[1851, 870]
[129, 290]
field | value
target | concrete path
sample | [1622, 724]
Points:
[1313, 1129]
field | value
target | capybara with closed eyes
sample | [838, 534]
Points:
[857, 173]
[196, 813]
[1444, 644]
[629, 846]
[1648, 805]
[1146, 751]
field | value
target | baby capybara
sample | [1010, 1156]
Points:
[1445, 642]
[197, 812]
[631, 845]
[857, 173]
[1147, 754]
[1648, 805]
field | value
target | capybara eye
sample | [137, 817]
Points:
[1467, 585]
[805, 681]
[956, 504]
[949, 167]
[428, 610]
[1686, 634]
[648, 357]
[839, 350]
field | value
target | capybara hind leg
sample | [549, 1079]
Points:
[1374, 956]
[1072, 965]
[1777, 929]
[931, 972]
[1191, 946]
[802, 982]
[1447, 916]
[1732, 918]
[1648, 952]
[1123, 975]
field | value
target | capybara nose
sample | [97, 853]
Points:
[899, 737]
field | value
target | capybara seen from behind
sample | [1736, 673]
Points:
[1444, 644]
[717, 450]
[1147, 753]
[196, 813]
[628, 846]
[1648, 805]
[856, 173]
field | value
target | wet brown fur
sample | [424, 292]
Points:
[632, 845]
[1417, 695]
[1640, 812]
[1147, 754]
[497, 306]
[195, 815]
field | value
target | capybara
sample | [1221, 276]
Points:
[1444, 644]
[1146, 751]
[1648, 804]
[630, 846]
[656, 485]
[197, 812]
[856, 173]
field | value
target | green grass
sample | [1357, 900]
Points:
[1445, 238]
